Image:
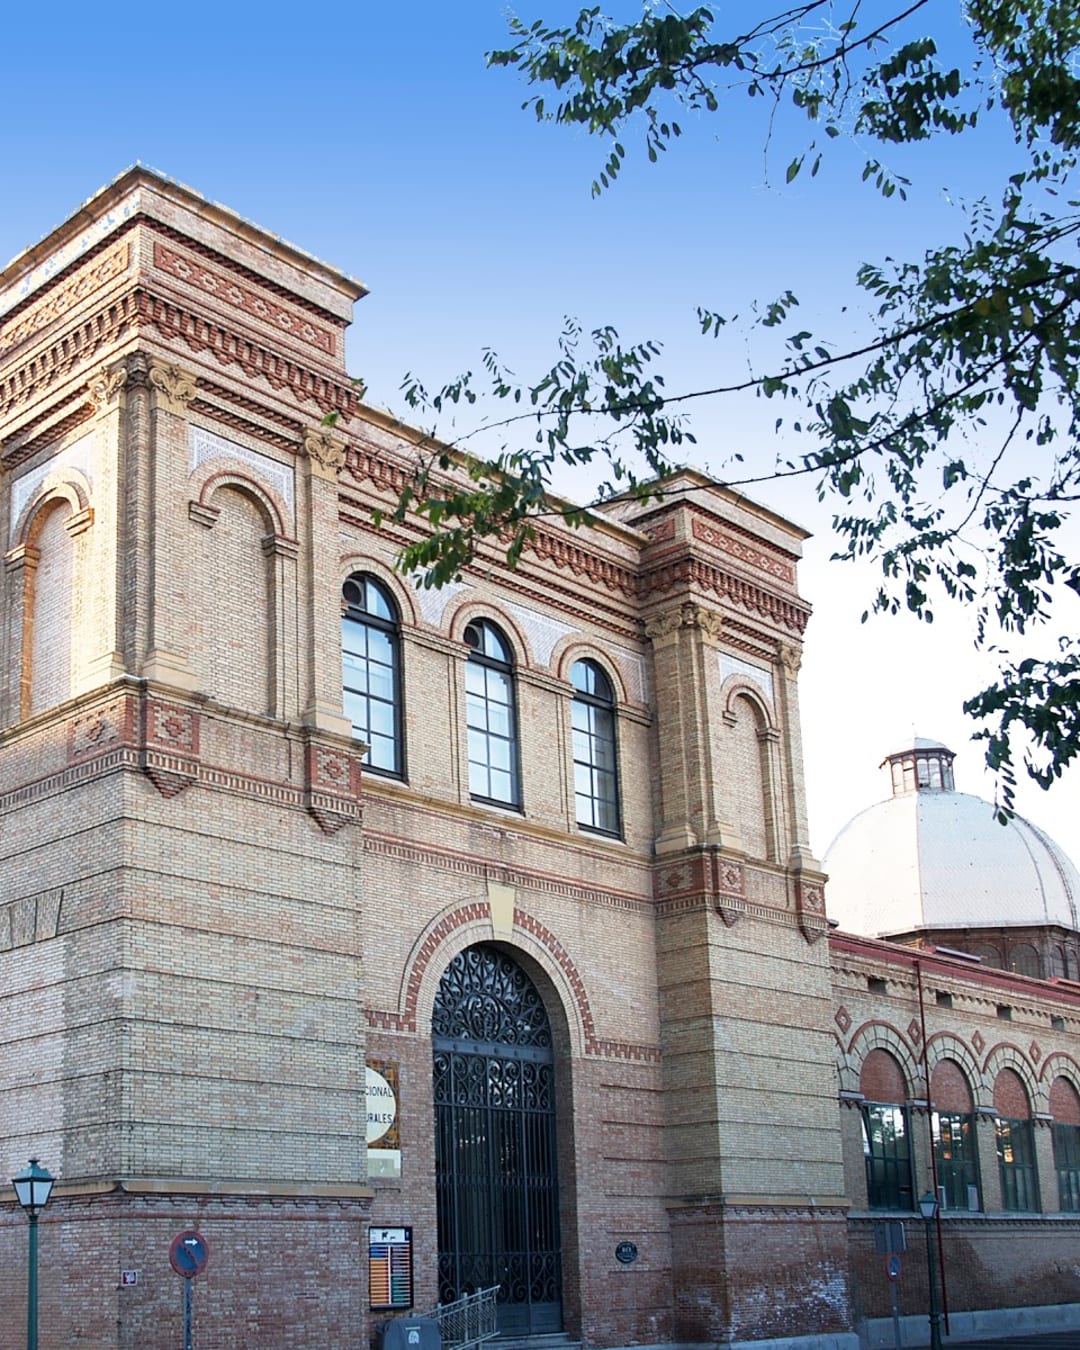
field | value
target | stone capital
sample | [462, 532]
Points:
[687, 615]
[324, 451]
[174, 387]
[790, 659]
[104, 387]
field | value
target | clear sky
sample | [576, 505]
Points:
[374, 137]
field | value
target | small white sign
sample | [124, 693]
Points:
[128, 1277]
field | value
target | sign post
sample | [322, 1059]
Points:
[187, 1256]
[892, 1269]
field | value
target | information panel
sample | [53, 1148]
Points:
[390, 1280]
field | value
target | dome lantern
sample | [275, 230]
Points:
[923, 766]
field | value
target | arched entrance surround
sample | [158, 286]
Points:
[496, 1155]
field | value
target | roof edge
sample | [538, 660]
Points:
[141, 175]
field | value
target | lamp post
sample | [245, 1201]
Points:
[33, 1186]
[928, 1208]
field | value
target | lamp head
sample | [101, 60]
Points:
[928, 1205]
[33, 1186]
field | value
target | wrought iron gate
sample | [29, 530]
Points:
[496, 1171]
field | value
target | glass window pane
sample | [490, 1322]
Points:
[370, 672]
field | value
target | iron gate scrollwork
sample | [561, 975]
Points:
[495, 1150]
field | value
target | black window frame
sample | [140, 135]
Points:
[490, 652]
[956, 1155]
[596, 705]
[358, 616]
[890, 1180]
[1067, 1166]
[1019, 1174]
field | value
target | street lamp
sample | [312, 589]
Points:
[928, 1208]
[33, 1186]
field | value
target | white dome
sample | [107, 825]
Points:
[931, 858]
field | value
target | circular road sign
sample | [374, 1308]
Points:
[892, 1266]
[188, 1253]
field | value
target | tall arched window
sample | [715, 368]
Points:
[886, 1133]
[1065, 1108]
[596, 780]
[490, 716]
[952, 1126]
[371, 661]
[1015, 1144]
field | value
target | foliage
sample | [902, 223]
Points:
[951, 438]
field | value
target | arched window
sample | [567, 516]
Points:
[490, 716]
[1024, 959]
[1015, 1144]
[596, 779]
[886, 1133]
[1065, 1108]
[952, 1125]
[371, 674]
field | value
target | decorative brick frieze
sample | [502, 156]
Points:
[86, 281]
[745, 550]
[170, 745]
[660, 533]
[235, 268]
[185, 267]
[100, 729]
[693, 573]
[27, 383]
[332, 786]
[281, 440]
[203, 336]
[810, 907]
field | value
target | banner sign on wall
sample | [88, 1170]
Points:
[383, 1131]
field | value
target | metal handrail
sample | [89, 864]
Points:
[469, 1320]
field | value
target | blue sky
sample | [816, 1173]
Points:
[374, 137]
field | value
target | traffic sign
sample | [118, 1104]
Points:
[188, 1253]
[892, 1266]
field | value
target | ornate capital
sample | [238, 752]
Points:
[708, 620]
[105, 386]
[686, 615]
[663, 625]
[325, 452]
[175, 387]
[790, 658]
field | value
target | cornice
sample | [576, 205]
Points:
[225, 417]
[399, 849]
[228, 347]
[122, 200]
[694, 573]
[238, 269]
[875, 951]
[92, 336]
[137, 727]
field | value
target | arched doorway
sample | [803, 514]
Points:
[495, 1157]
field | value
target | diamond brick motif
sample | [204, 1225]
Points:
[978, 1042]
[1035, 1052]
[843, 1019]
[914, 1032]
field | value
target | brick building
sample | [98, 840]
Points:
[536, 991]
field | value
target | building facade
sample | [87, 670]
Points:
[406, 942]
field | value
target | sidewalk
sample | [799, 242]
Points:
[1052, 1340]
